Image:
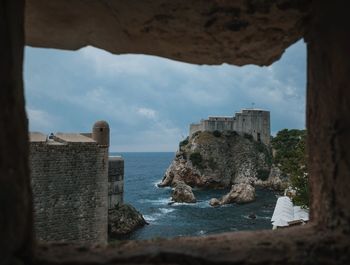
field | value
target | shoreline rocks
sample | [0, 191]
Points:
[183, 193]
[239, 193]
[124, 219]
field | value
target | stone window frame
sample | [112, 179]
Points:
[323, 241]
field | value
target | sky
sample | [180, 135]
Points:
[150, 101]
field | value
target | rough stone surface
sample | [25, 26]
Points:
[124, 219]
[275, 181]
[196, 31]
[218, 161]
[183, 193]
[239, 193]
[16, 224]
[70, 187]
[298, 245]
[328, 119]
[115, 181]
[214, 202]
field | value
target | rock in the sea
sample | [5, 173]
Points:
[124, 219]
[239, 193]
[214, 202]
[183, 193]
[252, 216]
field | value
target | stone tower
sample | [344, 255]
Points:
[100, 133]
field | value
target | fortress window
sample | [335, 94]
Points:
[327, 239]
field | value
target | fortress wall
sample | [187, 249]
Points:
[70, 191]
[255, 123]
[195, 128]
[251, 121]
[115, 181]
[218, 124]
[238, 125]
[266, 130]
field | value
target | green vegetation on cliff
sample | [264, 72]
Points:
[196, 159]
[291, 158]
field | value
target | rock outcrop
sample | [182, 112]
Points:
[183, 193]
[239, 193]
[124, 219]
[214, 160]
[236, 32]
[276, 180]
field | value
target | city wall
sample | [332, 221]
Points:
[74, 184]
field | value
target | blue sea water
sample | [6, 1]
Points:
[142, 173]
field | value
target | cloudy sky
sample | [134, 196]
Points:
[149, 101]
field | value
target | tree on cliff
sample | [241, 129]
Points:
[291, 158]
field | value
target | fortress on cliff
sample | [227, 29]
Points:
[74, 183]
[255, 122]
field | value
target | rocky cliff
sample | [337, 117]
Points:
[124, 219]
[218, 160]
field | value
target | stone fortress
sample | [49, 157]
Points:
[255, 122]
[74, 183]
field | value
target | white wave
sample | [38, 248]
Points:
[150, 218]
[200, 204]
[159, 201]
[264, 217]
[201, 232]
[203, 204]
[166, 210]
[155, 184]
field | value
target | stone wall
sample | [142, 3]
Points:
[218, 124]
[255, 123]
[115, 180]
[69, 182]
[194, 127]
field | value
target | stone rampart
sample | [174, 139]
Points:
[69, 176]
[70, 191]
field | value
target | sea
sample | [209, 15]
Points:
[143, 171]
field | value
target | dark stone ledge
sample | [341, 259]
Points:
[299, 245]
